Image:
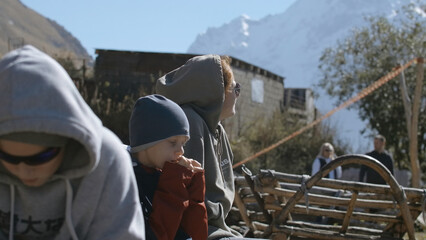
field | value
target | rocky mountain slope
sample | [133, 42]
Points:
[21, 25]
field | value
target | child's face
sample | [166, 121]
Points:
[30, 175]
[168, 150]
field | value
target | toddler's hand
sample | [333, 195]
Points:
[191, 164]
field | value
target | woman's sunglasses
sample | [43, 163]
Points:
[32, 160]
[237, 89]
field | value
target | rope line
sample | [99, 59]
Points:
[354, 99]
[305, 190]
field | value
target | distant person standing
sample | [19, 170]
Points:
[380, 154]
[326, 155]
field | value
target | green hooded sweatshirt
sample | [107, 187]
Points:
[197, 86]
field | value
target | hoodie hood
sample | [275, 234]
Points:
[38, 96]
[198, 83]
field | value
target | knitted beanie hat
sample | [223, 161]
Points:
[155, 118]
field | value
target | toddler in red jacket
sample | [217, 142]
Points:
[171, 187]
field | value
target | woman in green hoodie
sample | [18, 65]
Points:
[206, 90]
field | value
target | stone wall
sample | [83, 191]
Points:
[260, 97]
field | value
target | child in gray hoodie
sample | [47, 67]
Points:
[62, 174]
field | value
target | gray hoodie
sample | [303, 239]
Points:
[198, 87]
[93, 195]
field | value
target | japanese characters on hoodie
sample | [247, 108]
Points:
[93, 194]
[197, 86]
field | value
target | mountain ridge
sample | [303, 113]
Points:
[21, 25]
[291, 43]
[289, 27]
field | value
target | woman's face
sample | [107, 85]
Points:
[326, 152]
[30, 175]
[228, 109]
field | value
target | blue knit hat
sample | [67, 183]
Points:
[155, 118]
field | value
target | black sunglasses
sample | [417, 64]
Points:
[32, 160]
[237, 89]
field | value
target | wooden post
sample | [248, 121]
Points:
[407, 102]
[415, 168]
[243, 211]
[349, 211]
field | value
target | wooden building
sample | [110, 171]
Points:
[300, 103]
[134, 74]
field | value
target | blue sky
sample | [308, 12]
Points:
[148, 25]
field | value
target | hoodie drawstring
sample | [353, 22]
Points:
[68, 203]
[12, 211]
[68, 206]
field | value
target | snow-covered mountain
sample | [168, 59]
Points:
[290, 44]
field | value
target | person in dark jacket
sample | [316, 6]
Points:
[380, 154]
[171, 187]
